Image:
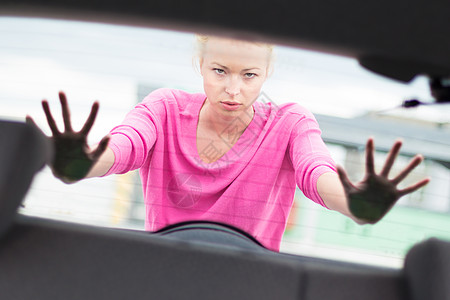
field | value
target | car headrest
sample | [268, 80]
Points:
[24, 150]
[427, 270]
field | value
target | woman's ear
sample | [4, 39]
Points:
[269, 70]
[200, 64]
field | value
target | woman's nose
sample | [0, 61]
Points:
[233, 87]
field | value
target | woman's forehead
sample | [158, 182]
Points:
[222, 50]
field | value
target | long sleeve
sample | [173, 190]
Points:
[133, 140]
[310, 156]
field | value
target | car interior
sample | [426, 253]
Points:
[50, 259]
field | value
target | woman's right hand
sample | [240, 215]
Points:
[73, 159]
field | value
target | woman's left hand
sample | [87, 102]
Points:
[370, 199]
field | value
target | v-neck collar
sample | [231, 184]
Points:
[247, 138]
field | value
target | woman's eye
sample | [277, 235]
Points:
[250, 75]
[219, 71]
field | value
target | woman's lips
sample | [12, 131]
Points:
[230, 105]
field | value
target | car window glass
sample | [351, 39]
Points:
[119, 65]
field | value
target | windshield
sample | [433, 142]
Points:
[119, 66]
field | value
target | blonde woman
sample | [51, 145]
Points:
[223, 156]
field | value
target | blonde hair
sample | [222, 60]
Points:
[200, 44]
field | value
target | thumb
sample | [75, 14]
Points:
[346, 183]
[101, 147]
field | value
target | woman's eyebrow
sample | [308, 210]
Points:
[249, 69]
[221, 66]
[244, 70]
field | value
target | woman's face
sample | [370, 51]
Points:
[233, 74]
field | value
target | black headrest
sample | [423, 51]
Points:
[427, 270]
[24, 150]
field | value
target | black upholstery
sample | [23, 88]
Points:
[427, 269]
[43, 259]
[23, 151]
[326, 281]
[212, 232]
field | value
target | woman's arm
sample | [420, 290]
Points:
[333, 195]
[102, 166]
[370, 199]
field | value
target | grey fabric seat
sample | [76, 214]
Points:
[44, 259]
[23, 151]
[427, 269]
[212, 233]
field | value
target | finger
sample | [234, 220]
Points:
[51, 122]
[413, 187]
[391, 158]
[346, 183]
[101, 147]
[370, 165]
[90, 121]
[412, 164]
[65, 112]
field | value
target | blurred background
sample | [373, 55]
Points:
[119, 65]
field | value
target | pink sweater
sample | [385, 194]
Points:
[251, 187]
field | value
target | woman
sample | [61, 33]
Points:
[223, 156]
